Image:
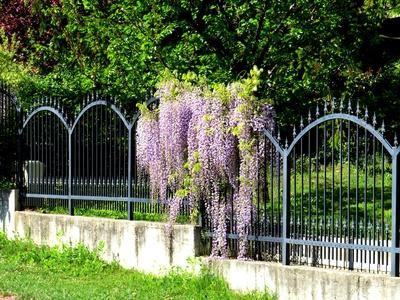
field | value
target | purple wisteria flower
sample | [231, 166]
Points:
[197, 144]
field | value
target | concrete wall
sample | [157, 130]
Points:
[146, 246]
[302, 282]
[8, 205]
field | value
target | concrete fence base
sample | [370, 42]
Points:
[148, 246]
[303, 282]
[8, 206]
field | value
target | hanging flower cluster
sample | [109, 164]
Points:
[200, 141]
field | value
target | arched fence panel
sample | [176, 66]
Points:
[341, 196]
[99, 159]
[86, 164]
[45, 138]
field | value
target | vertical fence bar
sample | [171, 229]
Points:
[286, 209]
[130, 215]
[70, 202]
[394, 264]
[350, 240]
[20, 170]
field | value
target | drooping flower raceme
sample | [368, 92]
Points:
[148, 152]
[174, 121]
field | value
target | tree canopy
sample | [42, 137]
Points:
[310, 51]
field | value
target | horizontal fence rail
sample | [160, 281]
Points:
[328, 198]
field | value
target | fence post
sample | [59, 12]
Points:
[130, 215]
[285, 209]
[20, 158]
[394, 264]
[70, 202]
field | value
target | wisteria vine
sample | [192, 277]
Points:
[200, 142]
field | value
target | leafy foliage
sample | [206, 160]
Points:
[310, 50]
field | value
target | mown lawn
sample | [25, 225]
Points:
[31, 272]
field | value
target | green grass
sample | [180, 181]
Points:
[114, 214]
[374, 190]
[31, 272]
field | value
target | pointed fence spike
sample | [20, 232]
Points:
[301, 123]
[286, 143]
[374, 120]
[383, 127]
[294, 131]
[366, 113]
[333, 104]
[279, 136]
[358, 108]
[317, 112]
[325, 108]
[309, 117]
[349, 110]
[341, 105]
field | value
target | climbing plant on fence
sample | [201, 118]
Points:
[201, 142]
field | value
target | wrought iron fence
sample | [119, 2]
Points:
[9, 125]
[86, 162]
[329, 198]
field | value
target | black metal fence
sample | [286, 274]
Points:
[329, 198]
[9, 125]
[86, 162]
